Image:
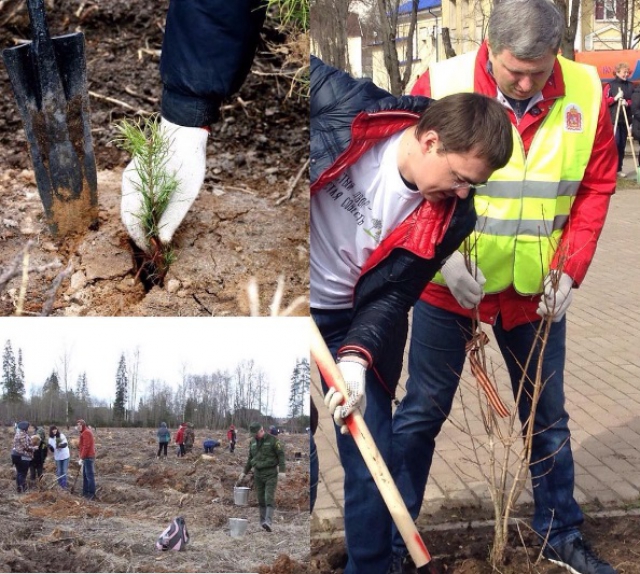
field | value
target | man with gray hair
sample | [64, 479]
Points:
[539, 220]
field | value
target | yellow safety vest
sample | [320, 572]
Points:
[525, 205]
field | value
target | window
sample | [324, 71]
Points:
[609, 9]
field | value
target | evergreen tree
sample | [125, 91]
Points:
[52, 384]
[122, 384]
[13, 384]
[300, 384]
[82, 388]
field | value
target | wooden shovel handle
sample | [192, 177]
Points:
[372, 458]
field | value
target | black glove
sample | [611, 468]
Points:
[63, 445]
[51, 448]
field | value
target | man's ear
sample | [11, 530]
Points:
[428, 141]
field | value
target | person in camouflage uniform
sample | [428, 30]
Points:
[266, 459]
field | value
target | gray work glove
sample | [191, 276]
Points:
[465, 286]
[354, 374]
[555, 299]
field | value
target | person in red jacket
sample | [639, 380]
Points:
[87, 448]
[560, 181]
[180, 439]
[232, 437]
[392, 182]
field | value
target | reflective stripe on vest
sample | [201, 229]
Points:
[525, 206]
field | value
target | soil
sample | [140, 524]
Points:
[241, 226]
[463, 548]
[51, 530]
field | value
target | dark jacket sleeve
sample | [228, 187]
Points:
[386, 293]
[635, 111]
[207, 52]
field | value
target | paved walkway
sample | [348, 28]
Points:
[602, 389]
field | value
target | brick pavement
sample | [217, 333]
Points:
[602, 389]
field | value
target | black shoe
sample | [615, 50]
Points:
[577, 557]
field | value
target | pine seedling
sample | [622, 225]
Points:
[149, 147]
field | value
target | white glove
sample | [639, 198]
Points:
[80, 463]
[464, 286]
[186, 160]
[556, 303]
[241, 477]
[618, 96]
[355, 375]
[282, 475]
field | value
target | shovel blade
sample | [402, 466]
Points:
[58, 131]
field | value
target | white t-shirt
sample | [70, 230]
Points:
[60, 453]
[350, 216]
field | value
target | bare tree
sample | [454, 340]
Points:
[328, 30]
[571, 10]
[133, 384]
[390, 21]
[65, 377]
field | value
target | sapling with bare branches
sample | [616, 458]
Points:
[509, 442]
[148, 145]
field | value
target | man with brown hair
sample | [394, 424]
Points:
[392, 187]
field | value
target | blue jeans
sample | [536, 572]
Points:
[88, 478]
[436, 358]
[62, 468]
[367, 521]
[313, 472]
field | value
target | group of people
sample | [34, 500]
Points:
[185, 438]
[515, 151]
[29, 453]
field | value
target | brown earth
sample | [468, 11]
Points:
[463, 548]
[241, 225]
[50, 530]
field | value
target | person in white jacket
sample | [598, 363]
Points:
[59, 446]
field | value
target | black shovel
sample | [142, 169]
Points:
[49, 80]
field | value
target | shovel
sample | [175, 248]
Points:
[48, 77]
[372, 458]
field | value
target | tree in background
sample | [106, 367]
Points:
[12, 376]
[329, 31]
[391, 16]
[119, 405]
[299, 391]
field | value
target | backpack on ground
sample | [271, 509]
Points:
[175, 536]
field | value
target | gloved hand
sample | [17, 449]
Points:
[354, 374]
[556, 302]
[80, 463]
[186, 160]
[618, 96]
[282, 475]
[241, 477]
[464, 286]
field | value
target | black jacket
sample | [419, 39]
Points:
[635, 111]
[627, 88]
[385, 293]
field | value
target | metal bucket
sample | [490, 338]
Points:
[237, 527]
[241, 495]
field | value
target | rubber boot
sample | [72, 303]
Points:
[266, 523]
[263, 511]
